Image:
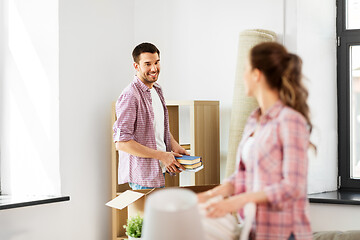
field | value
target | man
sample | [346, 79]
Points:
[141, 133]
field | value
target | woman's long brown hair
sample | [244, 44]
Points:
[283, 72]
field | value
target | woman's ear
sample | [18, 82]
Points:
[256, 74]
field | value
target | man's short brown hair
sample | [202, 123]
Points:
[143, 48]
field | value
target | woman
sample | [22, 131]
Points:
[272, 170]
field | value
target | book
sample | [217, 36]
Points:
[192, 166]
[185, 159]
[186, 146]
[192, 170]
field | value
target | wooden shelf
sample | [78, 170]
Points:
[204, 134]
[121, 238]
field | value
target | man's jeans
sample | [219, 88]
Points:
[135, 186]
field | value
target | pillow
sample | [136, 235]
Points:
[337, 235]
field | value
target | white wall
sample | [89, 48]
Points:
[94, 68]
[325, 217]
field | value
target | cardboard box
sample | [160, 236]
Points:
[133, 201]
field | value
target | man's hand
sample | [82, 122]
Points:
[168, 158]
[176, 148]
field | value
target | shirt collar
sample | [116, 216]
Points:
[271, 113]
[142, 85]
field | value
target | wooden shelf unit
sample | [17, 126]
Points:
[205, 142]
[204, 135]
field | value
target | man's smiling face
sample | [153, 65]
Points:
[148, 68]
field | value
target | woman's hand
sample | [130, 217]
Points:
[204, 196]
[235, 203]
[224, 190]
[229, 205]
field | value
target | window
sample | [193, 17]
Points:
[29, 97]
[2, 27]
[348, 59]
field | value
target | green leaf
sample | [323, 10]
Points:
[134, 226]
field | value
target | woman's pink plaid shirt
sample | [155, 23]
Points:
[280, 152]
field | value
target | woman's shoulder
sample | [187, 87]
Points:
[290, 114]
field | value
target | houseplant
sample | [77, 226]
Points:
[133, 227]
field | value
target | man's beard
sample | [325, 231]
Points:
[149, 79]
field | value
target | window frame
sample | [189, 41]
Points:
[345, 39]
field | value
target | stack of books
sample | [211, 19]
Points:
[190, 163]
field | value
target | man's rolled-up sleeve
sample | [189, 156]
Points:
[126, 111]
